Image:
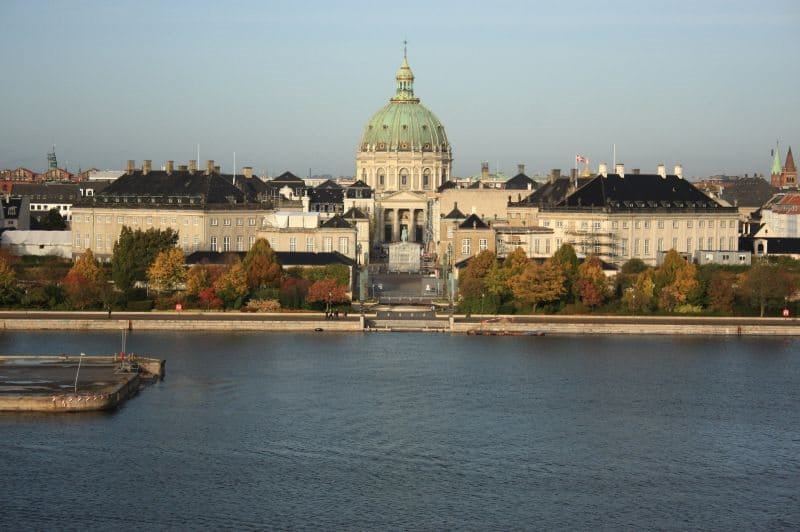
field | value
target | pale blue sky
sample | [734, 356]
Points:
[290, 85]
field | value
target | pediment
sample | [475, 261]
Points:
[763, 232]
[403, 197]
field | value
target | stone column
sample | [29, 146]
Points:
[412, 223]
[395, 225]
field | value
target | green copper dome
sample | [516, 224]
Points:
[404, 124]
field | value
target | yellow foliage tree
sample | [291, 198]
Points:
[167, 272]
[538, 283]
[85, 282]
[232, 285]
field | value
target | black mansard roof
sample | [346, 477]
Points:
[639, 191]
[552, 192]
[286, 258]
[520, 182]
[336, 222]
[473, 222]
[159, 187]
[354, 213]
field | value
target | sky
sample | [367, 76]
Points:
[712, 85]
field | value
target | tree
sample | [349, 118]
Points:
[766, 285]
[263, 268]
[231, 286]
[167, 271]
[208, 298]
[639, 296]
[8, 284]
[591, 285]
[327, 291]
[721, 293]
[294, 291]
[85, 283]
[53, 221]
[472, 282]
[675, 281]
[538, 283]
[135, 251]
[567, 261]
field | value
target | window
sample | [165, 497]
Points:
[426, 178]
[120, 219]
[711, 224]
[483, 244]
[624, 225]
[164, 220]
[99, 240]
[309, 243]
[584, 225]
[596, 225]
[701, 224]
[250, 241]
[596, 247]
[710, 243]
[742, 258]
[732, 224]
[689, 245]
[547, 246]
[186, 243]
[251, 222]
[214, 221]
[660, 245]
[292, 244]
[195, 220]
[635, 247]
[77, 240]
[661, 224]
[88, 218]
[536, 246]
[559, 224]
[615, 225]
[239, 222]
[174, 221]
[546, 223]
[688, 224]
[675, 224]
[624, 247]
[731, 244]
[185, 220]
[226, 221]
[213, 243]
[196, 242]
[647, 224]
[109, 242]
[239, 243]
[721, 243]
[149, 220]
[450, 233]
[344, 249]
[226, 243]
[646, 247]
[637, 225]
[466, 246]
[675, 243]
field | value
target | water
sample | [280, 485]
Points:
[418, 431]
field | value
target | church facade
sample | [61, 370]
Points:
[404, 156]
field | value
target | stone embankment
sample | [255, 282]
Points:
[379, 322]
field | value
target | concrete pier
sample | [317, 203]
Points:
[72, 383]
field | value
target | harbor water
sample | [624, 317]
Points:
[418, 431]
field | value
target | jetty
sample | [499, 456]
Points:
[73, 383]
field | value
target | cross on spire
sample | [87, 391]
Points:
[405, 42]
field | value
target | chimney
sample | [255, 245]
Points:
[209, 166]
[573, 174]
[192, 166]
[217, 169]
[247, 171]
[520, 168]
[147, 164]
[183, 168]
[131, 166]
[555, 174]
[636, 171]
[679, 171]
[662, 170]
[484, 171]
[170, 165]
[602, 169]
[619, 169]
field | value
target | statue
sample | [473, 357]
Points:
[404, 234]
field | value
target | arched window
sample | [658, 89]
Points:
[426, 178]
[381, 178]
[403, 178]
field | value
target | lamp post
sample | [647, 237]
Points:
[75, 387]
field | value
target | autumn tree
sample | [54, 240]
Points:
[52, 221]
[85, 283]
[327, 290]
[231, 286]
[262, 266]
[472, 282]
[167, 272]
[294, 291]
[675, 281]
[135, 252]
[591, 285]
[639, 296]
[538, 284]
[720, 292]
[9, 293]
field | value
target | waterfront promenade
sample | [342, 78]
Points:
[399, 319]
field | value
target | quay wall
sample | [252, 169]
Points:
[70, 402]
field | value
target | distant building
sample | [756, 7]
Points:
[39, 243]
[786, 175]
[15, 213]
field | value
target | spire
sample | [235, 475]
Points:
[405, 81]
[776, 162]
[790, 167]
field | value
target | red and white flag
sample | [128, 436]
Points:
[581, 159]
